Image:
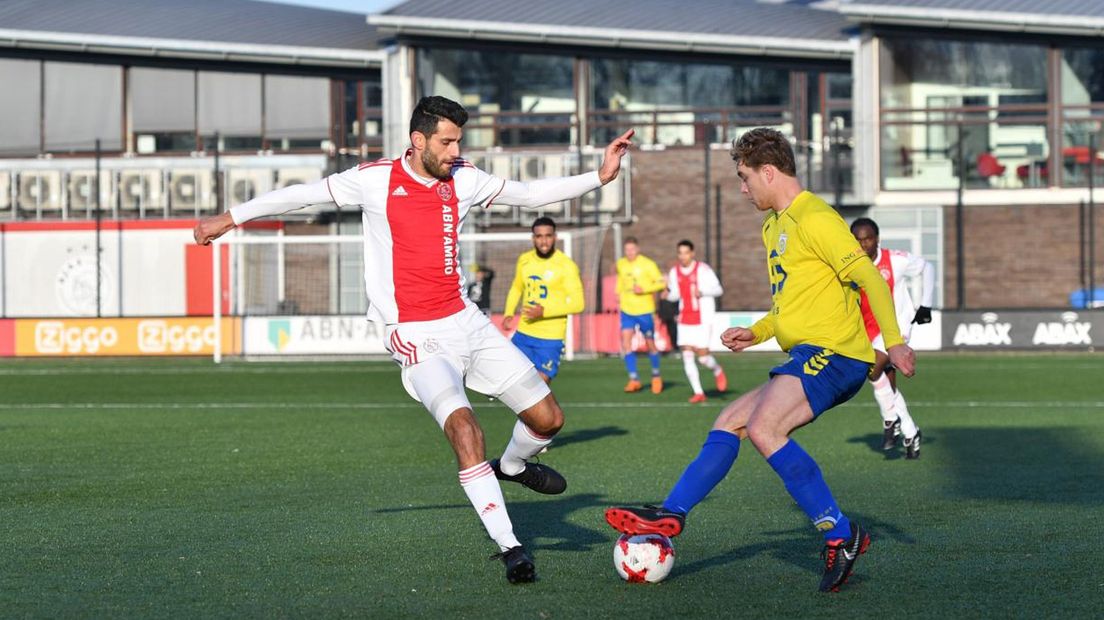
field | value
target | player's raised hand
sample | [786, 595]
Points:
[210, 228]
[611, 164]
[738, 338]
[903, 358]
[533, 312]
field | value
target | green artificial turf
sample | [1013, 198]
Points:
[168, 488]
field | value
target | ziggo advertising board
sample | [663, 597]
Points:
[111, 337]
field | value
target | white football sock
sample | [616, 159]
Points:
[524, 445]
[884, 394]
[485, 495]
[908, 426]
[692, 371]
[710, 362]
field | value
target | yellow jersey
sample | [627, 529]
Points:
[642, 272]
[552, 283]
[811, 255]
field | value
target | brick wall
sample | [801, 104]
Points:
[1018, 256]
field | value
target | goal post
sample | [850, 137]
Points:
[287, 289]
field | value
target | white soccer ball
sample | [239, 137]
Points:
[644, 558]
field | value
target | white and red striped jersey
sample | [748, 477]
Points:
[893, 265]
[412, 267]
[695, 288]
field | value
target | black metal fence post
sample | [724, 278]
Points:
[960, 266]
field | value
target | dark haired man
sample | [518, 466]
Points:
[816, 268]
[548, 287]
[894, 265]
[695, 286]
[413, 209]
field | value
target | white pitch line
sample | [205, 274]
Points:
[971, 404]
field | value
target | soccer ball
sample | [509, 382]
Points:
[643, 558]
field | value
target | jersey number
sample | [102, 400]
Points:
[776, 287]
[537, 288]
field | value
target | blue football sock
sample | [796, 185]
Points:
[806, 485]
[630, 364]
[712, 465]
[654, 359]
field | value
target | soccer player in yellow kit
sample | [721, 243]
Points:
[816, 269]
[547, 284]
[638, 280]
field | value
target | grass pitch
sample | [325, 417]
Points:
[180, 489]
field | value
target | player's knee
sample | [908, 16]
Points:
[547, 418]
[463, 430]
[761, 433]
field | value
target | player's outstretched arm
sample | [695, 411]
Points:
[611, 163]
[275, 202]
[548, 191]
[212, 227]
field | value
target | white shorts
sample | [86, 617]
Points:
[879, 343]
[439, 358]
[696, 336]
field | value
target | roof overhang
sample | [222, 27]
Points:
[1005, 21]
[199, 50]
[612, 37]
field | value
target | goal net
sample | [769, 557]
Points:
[300, 295]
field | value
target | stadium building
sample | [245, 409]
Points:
[969, 131]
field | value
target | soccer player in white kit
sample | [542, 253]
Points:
[894, 265]
[413, 209]
[695, 286]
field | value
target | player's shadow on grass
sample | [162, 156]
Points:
[1035, 464]
[874, 442]
[555, 524]
[798, 546]
[587, 434]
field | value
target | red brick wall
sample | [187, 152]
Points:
[668, 205]
[1019, 256]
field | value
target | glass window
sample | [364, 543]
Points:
[914, 70]
[512, 99]
[1082, 76]
[984, 100]
[230, 104]
[163, 109]
[71, 123]
[839, 86]
[21, 107]
[297, 111]
[672, 103]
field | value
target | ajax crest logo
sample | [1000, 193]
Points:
[444, 191]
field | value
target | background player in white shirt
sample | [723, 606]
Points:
[413, 208]
[695, 286]
[894, 265]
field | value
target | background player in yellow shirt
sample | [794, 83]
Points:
[547, 284]
[816, 268]
[638, 280]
